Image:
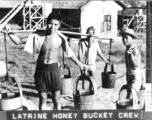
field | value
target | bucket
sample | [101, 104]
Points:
[84, 99]
[11, 101]
[108, 77]
[128, 103]
[66, 82]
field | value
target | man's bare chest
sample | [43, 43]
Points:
[51, 42]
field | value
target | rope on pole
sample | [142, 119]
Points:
[7, 76]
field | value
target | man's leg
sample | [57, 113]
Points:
[129, 79]
[43, 100]
[42, 91]
[56, 100]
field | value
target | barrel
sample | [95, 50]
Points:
[108, 77]
[66, 82]
[11, 101]
[84, 99]
[127, 103]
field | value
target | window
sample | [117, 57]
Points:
[102, 27]
[107, 21]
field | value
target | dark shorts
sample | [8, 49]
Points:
[47, 77]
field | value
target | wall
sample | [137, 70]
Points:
[93, 13]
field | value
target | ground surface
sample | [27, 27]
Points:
[25, 66]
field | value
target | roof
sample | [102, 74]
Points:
[10, 3]
[57, 4]
[68, 4]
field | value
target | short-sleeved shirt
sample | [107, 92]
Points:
[88, 54]
[35, 41]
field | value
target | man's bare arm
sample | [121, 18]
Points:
[101, 55]
[72, 56]
[75, 60]
[15, 39]
[135, 58]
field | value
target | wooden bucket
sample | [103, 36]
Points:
[128, 103]
[108, 77]
[66, 82]
[11, 101]
[84, 99]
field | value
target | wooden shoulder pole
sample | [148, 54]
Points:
[149, 43]
[64, 32]
[148, 85]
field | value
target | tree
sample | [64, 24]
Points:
[134, 3]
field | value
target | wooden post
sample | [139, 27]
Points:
[149, 43]
[148, 103]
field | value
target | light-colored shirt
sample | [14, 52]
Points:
[88, 55]
[35, 41]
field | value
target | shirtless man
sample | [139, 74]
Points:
[88, 51]
[132, 60]
[47, 43]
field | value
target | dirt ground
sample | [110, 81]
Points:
[104, 99]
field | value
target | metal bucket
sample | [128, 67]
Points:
[128, 103]
[66, 82]
[108, 77]
[12, 101]
[84, 99]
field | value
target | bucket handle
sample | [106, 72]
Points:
[82, 77]
[20, 89]
[134, 94]
[65, 66]
[106, 66]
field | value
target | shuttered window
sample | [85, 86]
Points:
[107, 22]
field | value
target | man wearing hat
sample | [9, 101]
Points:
[132, 60]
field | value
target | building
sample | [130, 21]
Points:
[102, 15]
[79, 15]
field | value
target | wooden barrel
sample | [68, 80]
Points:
[84, 99]
[12, 101]
[66, 82]
[128, 103]
[108, 77]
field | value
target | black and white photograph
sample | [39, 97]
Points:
[75, 55]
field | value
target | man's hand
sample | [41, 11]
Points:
[84, 66]
[108, 61]
[6, 29]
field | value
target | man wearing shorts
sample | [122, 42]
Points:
[47, 44]
[132, 60]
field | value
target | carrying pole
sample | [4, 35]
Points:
[64, 32]
[110, 48]
[7, 76]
